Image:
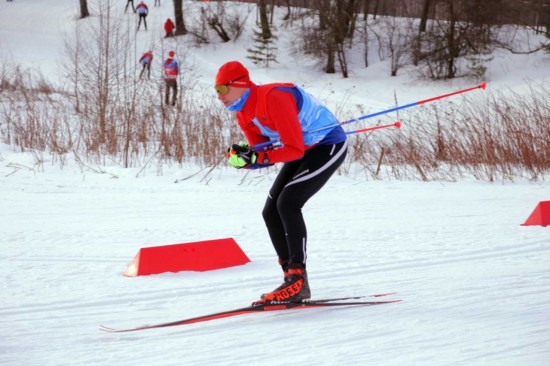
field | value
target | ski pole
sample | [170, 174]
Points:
[270, 145]
[420, 102]
[396, 124]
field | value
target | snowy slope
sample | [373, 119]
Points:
[475, 284]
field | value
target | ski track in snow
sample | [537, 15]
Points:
[475, 283]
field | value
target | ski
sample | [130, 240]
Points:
[274, 306]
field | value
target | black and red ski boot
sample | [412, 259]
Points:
[295, 287]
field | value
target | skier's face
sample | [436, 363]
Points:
[229, 94]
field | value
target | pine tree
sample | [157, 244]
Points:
[264, 50]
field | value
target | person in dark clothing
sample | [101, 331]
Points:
[171, 72]
[146, 60]
[130, 2]
[142, 11]
[283, 124]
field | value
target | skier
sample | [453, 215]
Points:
[313, 146]
[171, 72]
[169, 28]
[146, 60]
[142, 10]
[130, 2]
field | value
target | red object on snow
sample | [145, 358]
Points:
[196, 256]
[540, 215]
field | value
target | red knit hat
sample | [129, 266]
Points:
[171, 54]
[233, 73]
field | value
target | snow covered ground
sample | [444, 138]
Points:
[475, 284]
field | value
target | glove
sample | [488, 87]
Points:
[241, 156]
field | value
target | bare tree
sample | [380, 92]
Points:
[424, 15]
[327, 39]
[84, 9]
[287, 16]
[216, 20]
[394, 40]
[340, 17]
[463, 28]
[262, 8]
[178, 15]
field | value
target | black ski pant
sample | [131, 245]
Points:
[171, 84]
[144, 17]
[130, 2]
[146, 66]
[295, 184]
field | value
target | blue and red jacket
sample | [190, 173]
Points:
[142, 9]
[285, 113]
[171, 69]
[146, 58]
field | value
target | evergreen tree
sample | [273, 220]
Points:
[264, 50]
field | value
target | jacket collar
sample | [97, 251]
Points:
[249, 107]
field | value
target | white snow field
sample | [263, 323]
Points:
[475, 284]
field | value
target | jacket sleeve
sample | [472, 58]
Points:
[283, 115]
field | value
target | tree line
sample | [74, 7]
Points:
[104, 113]
[444, 38]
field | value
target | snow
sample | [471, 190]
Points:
[475, 284]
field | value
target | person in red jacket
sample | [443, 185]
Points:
[169, 28]
[146, 60]
[283, 124]
[171, 72]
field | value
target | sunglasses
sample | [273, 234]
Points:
[224, 88]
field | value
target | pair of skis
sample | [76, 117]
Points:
[255, 308]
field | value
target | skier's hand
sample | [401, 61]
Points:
[241, 156]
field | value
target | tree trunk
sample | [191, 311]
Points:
[178, 15]
[342, 59]
[262, 8]
[351, 14]
[451, 43]
[84, 9]
[424, 15]
[287, 16]
[324, 13]
[375, 10]
[330, 69]
[366, 5]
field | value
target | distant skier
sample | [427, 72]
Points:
[146, 60]
[157, 2]
[171, 72]
[142, 10]
[130, 2]
[169, 28]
